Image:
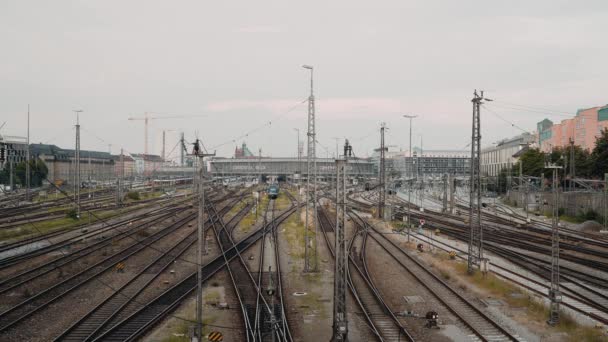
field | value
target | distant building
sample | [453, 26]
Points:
[60, 162]
[16, 148]
[243, 152]
[147, 164]
[286, 167]
[128, 168]
[583, 129]
[430, 163]
[505, 153]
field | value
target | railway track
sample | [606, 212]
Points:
[573, 299]
[124, 300]
[380, 319]
[16, 314]
[481, 326]
[94, 234]
[30, 274]
[271, 322]
[137, 323]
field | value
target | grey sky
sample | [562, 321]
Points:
[239, 62]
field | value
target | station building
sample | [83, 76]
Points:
[289, 168]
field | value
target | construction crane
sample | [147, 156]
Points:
[146, 118]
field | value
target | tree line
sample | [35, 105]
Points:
[589, 164]
[38, 173]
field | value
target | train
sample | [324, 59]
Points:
[273, 191]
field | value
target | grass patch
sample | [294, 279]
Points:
[212, 297]
[282, 202]
[236, 209]
[185, 328]
[48, 226]
[535, 310]
[294, 234]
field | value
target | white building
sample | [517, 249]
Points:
[500, 156]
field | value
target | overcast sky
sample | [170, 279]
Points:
[237, 64]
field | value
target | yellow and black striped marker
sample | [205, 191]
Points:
[215, 336]
[120, 267]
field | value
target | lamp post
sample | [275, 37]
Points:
[298, 154]
[77, 164]
[409, 192]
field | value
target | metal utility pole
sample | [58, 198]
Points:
[410, 154]
[475, 227]
[340, 323]
[121, 178]
[382, 175]
[77, 164]
[337, 139]
[445, 193]
[420, 161]
[572, 165]
[409, 192]
[310, 252]
[163, 151]
[554, 293]
[298, 155]
[260, 166]
[182, 148]
[27, 158]
[452, 188]
[199, 156]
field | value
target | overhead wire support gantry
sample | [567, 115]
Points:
[382, 174]
[340, 322]
[475, 257]
[310, 249]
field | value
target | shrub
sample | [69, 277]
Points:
[134, 195]
[72, 213]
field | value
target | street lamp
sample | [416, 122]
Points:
[298, 155]
[77, 164]
[409, 192]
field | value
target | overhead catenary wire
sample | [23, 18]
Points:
[260, 127]
[505, 120]
[536, 109]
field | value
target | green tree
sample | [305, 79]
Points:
[38, 172]
[599, 155]
[533, 163]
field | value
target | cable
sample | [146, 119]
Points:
[567, 113]
[262, 126]
[505, 120]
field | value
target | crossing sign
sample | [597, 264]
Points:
[215, 336]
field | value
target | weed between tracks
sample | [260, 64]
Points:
[49, 226]
[294, 234]
[533, 310]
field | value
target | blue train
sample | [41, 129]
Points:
[273, 191]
